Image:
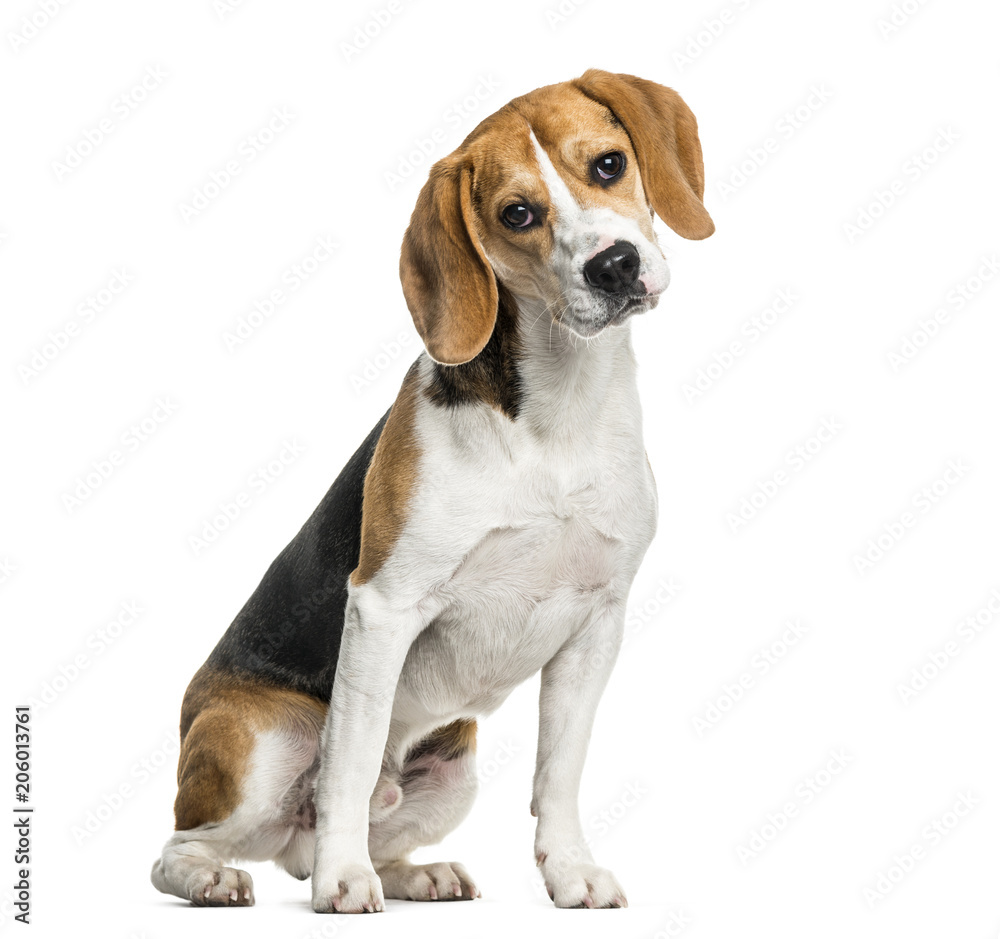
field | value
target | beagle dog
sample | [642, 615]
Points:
[489, 527]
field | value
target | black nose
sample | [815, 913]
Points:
[613, 270]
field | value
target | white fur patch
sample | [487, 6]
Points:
[579, 234]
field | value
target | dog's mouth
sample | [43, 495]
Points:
[619, 308]
[604, 312]
[639, 303]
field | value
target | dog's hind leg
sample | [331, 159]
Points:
[246, 770]
[438, 786]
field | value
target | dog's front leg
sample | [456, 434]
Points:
[572, 683]
[372, 650]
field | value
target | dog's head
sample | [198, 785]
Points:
[553, 195]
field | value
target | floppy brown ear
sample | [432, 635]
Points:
[448, 283]
[664, 135]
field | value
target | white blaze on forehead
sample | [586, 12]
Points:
[582, 231]
[579, 233]
[567, 208]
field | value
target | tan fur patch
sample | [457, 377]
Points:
[220, 718]
[450, 741]
[447, 282]
[389, 483]
[573, 131]
[664, 135]
[456, 234]
[507, 172]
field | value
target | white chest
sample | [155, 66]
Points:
[524, 530]
[552, 547]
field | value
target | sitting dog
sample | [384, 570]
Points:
[489, 527]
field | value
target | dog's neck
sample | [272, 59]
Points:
[573, 387]
[540, 376]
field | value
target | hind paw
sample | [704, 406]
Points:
[442, 881]
[221, 886]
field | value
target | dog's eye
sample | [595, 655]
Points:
[517, 215]
[608, 166]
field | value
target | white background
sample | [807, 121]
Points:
[668, 807]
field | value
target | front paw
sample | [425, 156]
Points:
[574, 886]
[354, 888]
